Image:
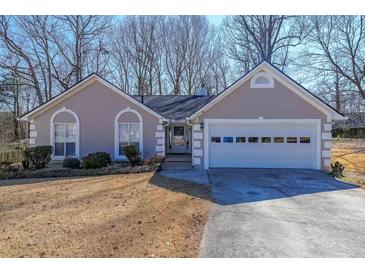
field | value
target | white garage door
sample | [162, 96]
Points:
[262, 145]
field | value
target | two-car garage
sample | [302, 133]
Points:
[262, 144]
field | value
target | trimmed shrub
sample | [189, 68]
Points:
[132, 154]
[154, 160]
[96, 160]
[71, 162]
[40, 156]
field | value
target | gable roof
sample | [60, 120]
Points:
[174, 107]
[79, 86]
[284, 79]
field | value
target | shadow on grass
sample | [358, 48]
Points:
[175, 185]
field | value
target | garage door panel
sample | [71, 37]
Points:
[262, 155]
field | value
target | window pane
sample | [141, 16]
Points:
[227, 139]
[133, 132]
[70, 149]
[121, 145]
[215, 139]
[178, 131]
[265, 140]
[253, 139]
[59, 149]
[305, 140]
[291, 140]
[71, 133]
[59, 133]
[279, 140]
[240, 139]
[123, 133]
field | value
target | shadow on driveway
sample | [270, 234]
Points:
[236, 186]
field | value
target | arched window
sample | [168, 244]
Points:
[64, 134]
[262, 80]
[128, 127]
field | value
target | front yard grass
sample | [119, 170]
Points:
[351, 153]
[129, 215]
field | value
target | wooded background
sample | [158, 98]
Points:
[41, 56]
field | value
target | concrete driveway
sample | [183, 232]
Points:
[283, 213]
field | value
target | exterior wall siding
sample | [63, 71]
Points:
[97, 106]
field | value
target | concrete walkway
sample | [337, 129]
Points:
[283, 213]
[192, 175]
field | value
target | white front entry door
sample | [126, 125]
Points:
[262, 145]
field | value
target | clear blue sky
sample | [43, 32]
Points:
[216, 19]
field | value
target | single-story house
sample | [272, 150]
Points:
[263, 120]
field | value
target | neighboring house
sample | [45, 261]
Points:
[355, 120]
[263, 120]
[353, 127]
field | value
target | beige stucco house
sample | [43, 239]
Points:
[263, 120]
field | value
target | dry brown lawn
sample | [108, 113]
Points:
[136, 215]
[351, 153]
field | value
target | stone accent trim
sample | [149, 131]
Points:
[198, 152]
[196, 161]
[326, 135]
[197, 144]
[327, 144]
[327, 127]
[327, 162]
[198, 136]
[33, 134]
[196, 127]
[160, 149]
[160, 134]
[160, 137]
[326, 154]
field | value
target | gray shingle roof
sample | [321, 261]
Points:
[176, 107]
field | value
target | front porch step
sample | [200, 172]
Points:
[178, 158]
[170, 165]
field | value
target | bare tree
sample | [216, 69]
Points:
[79, 42]
[341, 41]
[14, 47]
[252, 39]
[37, 30]
[175, 45]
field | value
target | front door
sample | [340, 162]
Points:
[179, 139]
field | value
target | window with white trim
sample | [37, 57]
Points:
[128, 135]
[65, 139]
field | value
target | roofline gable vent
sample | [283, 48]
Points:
[262, 80]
